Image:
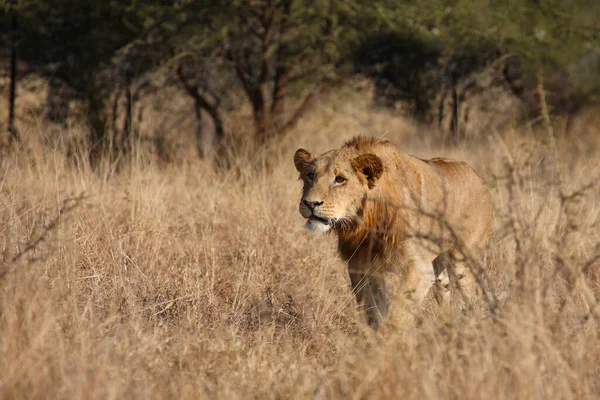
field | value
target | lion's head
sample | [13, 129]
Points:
[335, 186]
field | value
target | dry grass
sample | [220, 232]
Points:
[179, 281]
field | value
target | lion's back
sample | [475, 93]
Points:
[472, 209]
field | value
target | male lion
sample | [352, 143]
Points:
[395, 212]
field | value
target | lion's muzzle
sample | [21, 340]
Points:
[315, 222]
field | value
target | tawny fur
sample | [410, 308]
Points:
[394, 213]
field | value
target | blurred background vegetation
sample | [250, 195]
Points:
[465, 67]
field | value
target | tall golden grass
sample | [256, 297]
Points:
[186, 281]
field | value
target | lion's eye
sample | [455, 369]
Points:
[311, 176]
[340, 179]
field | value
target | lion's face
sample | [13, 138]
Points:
[335, 186]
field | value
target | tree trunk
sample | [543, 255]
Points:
[57, 104]
[126, 131]
[199, 133]
[200, 104]
[259, 110]
[282, 76]
[454, 128]
[215, 115]
[114, 111]
[97, 126]
[14, 134]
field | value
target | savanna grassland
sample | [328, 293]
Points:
[182, 280]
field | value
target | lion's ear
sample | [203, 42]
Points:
[370, 166]
[302, 159]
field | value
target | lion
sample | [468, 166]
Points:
[394, 212]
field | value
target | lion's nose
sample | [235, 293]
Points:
[312, 204]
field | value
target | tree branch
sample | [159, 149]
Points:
[306, 104]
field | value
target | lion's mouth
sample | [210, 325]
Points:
[323, 221]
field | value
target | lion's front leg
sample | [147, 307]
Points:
[419, 273]
[419, 278]
[461, 277]
[371, 295]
